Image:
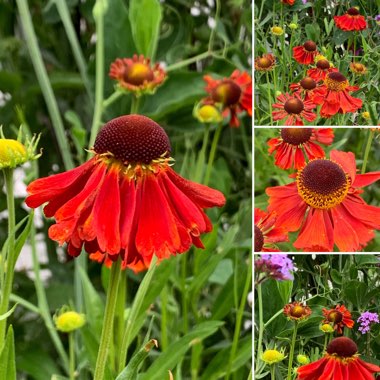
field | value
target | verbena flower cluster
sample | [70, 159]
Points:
[366, 319]
[279, 266]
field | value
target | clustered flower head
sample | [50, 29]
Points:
[278, 266]
[367, 319]
[297, 311]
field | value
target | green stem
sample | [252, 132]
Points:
[259, 349]
[291, 353]
[325, 342]
[272, 372]
[43, 79]
[368, 348]
[99, 83]
[119, 315]
[202, 155]
[239, 317]
[211, 157]
[64, 13]
[135, 103]
[213, 30]
[185, 300]
[106, 337]
[9, 259]
[112, 98]
[28, 305]
[269, 98]
[137, 303]
[246, 148]
[164, 318]
[72, 356]
[189, 61]
[367, 149]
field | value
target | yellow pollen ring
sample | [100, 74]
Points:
[322, 201]
[343, 360]
[335, 85]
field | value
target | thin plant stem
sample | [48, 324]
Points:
[119, 314]
[164, 318]
[99, 69]
[72, 355]
[64, 13]
[28, 305]
[211, 157]
[202, 155]
[246, 148]
[291, 353]
[185, 300]
[135, 103]
[325, 342]
[189, 61]
[9, 259]
[269, 98]
[43, 79]
[112, 98]
[367, 149]
[259, 349]
[213, 30]
[109, 313]
[239, 317]
[272, 372]
[368, 344]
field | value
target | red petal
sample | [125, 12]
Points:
[369, 215]
[312, 371]
[366, 179]
[127, 210]
[346, 160]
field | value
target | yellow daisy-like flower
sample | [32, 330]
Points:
[277, 30]
[68, 321]
[358, 68]
[327, 328]
[366, 115]
[272, 356]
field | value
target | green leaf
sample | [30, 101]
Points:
[362, 260]
[355, 292]
[145, 18]
[285, 289]
[8, 313]
[312, 31]
[175, 352]
[222, 272]
[20, 241]
[336, 276]
[130, 371]
[7, 358]
[59, 377]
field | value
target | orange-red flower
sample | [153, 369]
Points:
[351, 20]
[306, 88]
[234, 94]
[325, 203]
[126, 200]
[137, 75]
[267, 233]
[297, 311]
[265, 63]
[305, 53]
[340, 317]
[358, 68]
[293, 143]
[321, 69]
[334, 96]
[294, 109]
[288, 2]
[340, 362]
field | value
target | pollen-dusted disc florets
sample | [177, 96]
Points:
[133, 139]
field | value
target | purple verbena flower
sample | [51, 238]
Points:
[276, 266]
[304, 1]
[366, 319]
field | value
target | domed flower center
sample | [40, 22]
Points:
[209, 112]
[137, 73]
[133, 139]
[297, 311]
[322, 184]
[335, 316]
[353, 12]
[336, 81]
[323, 64]
[310, 46]
[259, 239]
[227, 92]
[294, 105]
[296, 136]
[264, 62]
[343, 347]
[359, 67]
[308, 83]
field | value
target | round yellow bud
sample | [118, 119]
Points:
[366, 115]
[277, 30]
[303, 359]
[12, 153]
[293, 26]
[272, 356]
[208, 114]
[327, 328]
[69, 321]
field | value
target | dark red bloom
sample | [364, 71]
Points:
[340, 362]
[234, 94]
[306, 88]
[294, 143]
[288, 2]
[340, 317]
[351, 20]
[126, 201]
[305, 53]
[325, 203]
[294, 109]
[321, 69]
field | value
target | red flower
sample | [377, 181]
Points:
[288, 2]
[340, 317]
[307, 88]
[352, 20]
[324, 202]
[266, 232]
[297, 311]
[334, 96]
[233, 93]
[321, 69]
[126, 201]
[137, 75]
[305, 53]
[294, 143]
[293, 109]
[340, 362]
[265, 63]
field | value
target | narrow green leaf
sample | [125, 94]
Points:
[7, 358]
[285, 289]
[20, 241]
[130, 371]
[8, 313]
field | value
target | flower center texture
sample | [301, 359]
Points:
[336, 81]
[296, 136]
[322, 184]
[343, 347]
[259, 239]
[138, 73]
[353, 12]
[133, 139]
[294, 106]
[228, 93]
[359, 67]
[264, 63]
[310, 46]
[323, 64]
[308, 83]
[335, 316]
[297, 311]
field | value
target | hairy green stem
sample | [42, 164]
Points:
[259, 349]
[43, 79]
[185, 299]
[109, 313]
[213, 30]
[211, 157]
[291, 353]
[269, 99]
[164, 318]
[272, 372]
[188, 61]
[119, 315]
[367, 149]
[135, 103]
[112, 98]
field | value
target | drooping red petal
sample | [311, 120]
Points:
[346, 160]
[366, 179]
[313, 150]
[312, 371]
[127, 210]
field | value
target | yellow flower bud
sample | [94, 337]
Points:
[303, 359]
[277, 30]
[207, 114]
[69, 321]
[366, 115]
[272, 356]
[293, 26]
[327, 328]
